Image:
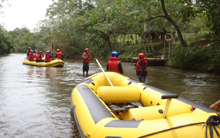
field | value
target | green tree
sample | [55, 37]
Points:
[63, 15]
[110, 19]
[174, 11]
[22, 39]
[5, 44]
[211, 10]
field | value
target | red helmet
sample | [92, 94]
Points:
[87, 49]
[58, 50]
[141, 55]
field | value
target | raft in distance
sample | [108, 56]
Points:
[53, 63]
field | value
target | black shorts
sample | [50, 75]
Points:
[85, 67]
[139, 73]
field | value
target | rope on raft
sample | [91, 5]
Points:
[211, 123]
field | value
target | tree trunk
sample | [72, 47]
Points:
[109, 42]
[217, 1]
[183, 43]
[80, 7]
[115, 43]
[124, 42]
[159, 38]
[151, 43]
[146, 44]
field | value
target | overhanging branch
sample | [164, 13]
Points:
[159, 16]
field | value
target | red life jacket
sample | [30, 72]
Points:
[59, 55]
[38, 56]
[138, 67]
[29, 51]
[31, 57]
[35, 55]
[113, 64]
[87, 59]
[47, 57]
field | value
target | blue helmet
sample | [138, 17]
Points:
[48, 52]
[32, 51]
[114, 54]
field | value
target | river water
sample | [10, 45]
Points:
[35, 101]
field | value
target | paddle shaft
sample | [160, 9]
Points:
[104, 72]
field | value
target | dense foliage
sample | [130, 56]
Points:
[5, 42]
[108, 25]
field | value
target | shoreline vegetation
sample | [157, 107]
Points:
[185, 32]
[199, 56]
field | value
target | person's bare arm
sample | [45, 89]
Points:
[215, 105]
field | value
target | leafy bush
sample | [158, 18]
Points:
[196, 57]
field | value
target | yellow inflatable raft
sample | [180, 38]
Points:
[130, 109]
[53, 63]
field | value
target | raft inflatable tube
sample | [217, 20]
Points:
[53, 63]
[130, 109]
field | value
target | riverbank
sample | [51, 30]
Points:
[198, 56]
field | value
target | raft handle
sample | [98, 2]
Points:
[169, 98]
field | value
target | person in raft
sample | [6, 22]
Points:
[48, 56]
[28, 51]
[41, 54]
[52, 58]
[38, 56]
[215, 105]
[59, 54]
[114, 63]
[141, 68]
[85, 61]
[31, 56]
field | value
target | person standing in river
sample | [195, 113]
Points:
[141, 68]
[114, 63]
[85, 61]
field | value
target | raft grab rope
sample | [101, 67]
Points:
[212, 122]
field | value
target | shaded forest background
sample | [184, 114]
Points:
[127, 27]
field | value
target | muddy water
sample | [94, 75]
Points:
[35, 101]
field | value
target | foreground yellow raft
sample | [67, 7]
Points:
[131, 109]
[53, 63]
